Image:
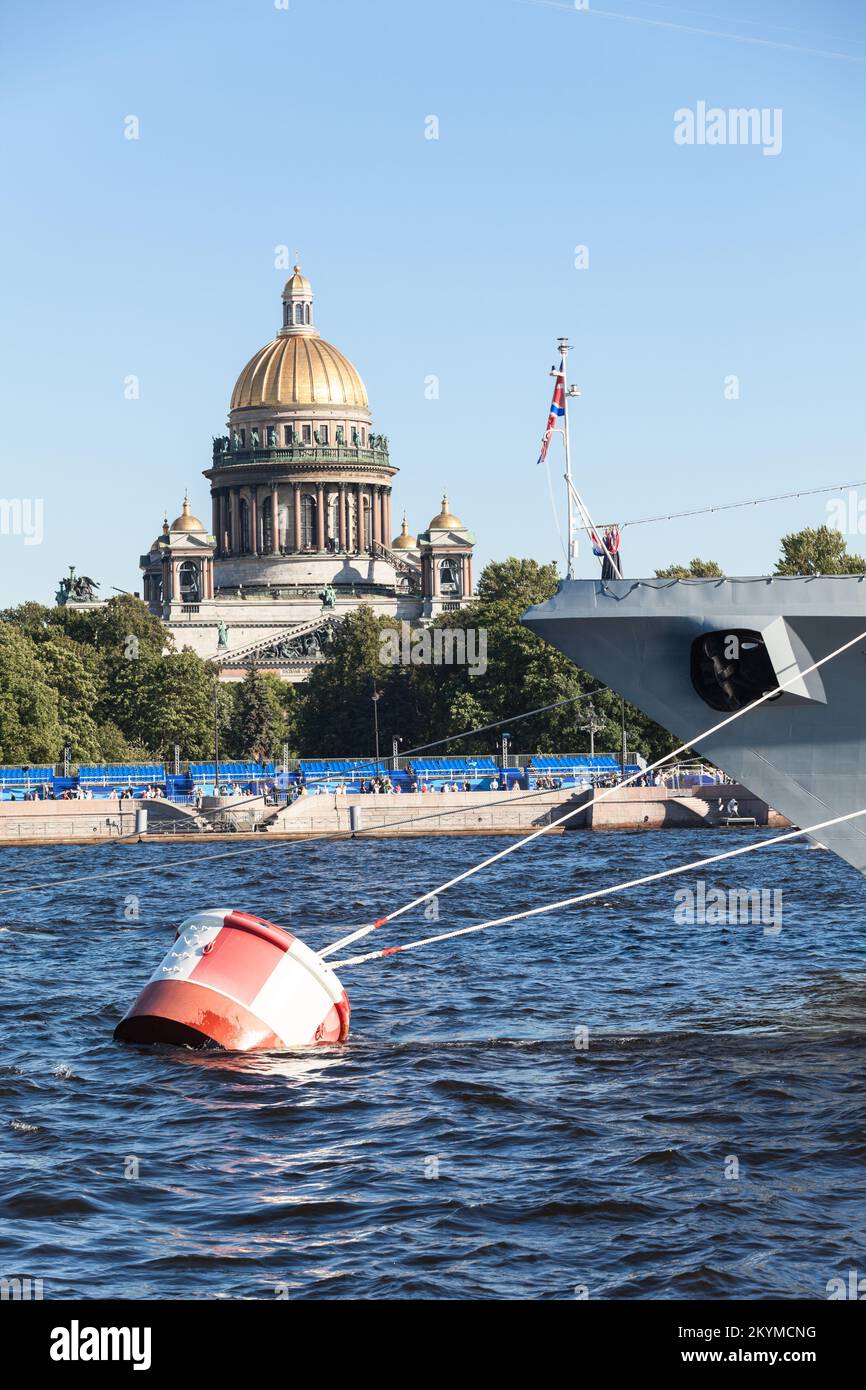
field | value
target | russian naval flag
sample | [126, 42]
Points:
[557, 411]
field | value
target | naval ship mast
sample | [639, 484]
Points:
[575, 502]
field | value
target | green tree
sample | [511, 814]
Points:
[696, 569]
[33, 619]
[114, 748]
[260, 722]
[77, 676]
[335, 710]
[525, 672]
[179, 705]
[818, 550]
[121, 625]
[130, 642]
[517, 582]
[29, 724]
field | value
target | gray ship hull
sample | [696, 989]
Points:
[664, 645]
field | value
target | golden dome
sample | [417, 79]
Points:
[404, 541]
[445, 520]
[297, 284]
[186, 521]
[298, 369]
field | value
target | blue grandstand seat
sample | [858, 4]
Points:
[231, 771]
[338, 770]
[570, 768]
[23, 777]
[121, 774]
[456, 767]
[479, 772]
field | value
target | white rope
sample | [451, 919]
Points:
[598, 892]
[596, 798]
[354, 936]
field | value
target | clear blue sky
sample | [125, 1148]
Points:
[261, 126]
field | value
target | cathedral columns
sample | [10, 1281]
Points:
[346, 517]
[296, 500]
[236, 521]
[377, 513]
[320, 516]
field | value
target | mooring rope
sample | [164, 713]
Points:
[595, 798]
[595, 893]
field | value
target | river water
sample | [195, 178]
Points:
[604, 1103]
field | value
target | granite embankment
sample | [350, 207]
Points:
[514, 813]
[449, 813]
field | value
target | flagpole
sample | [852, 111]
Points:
[574, 497]
[569, 487]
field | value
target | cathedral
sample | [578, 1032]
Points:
[301, 530]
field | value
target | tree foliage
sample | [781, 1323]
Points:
[427, 702]
[109, 681]
[818, 550]
[696, 569]
[30, 729]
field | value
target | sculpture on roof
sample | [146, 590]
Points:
[76, 589]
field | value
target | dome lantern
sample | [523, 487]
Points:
[186, 521]
[446, 519]
[297, 304]
[404, 541]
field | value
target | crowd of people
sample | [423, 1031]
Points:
[382, 784]
[47, 793]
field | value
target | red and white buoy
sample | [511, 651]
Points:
[237, 982]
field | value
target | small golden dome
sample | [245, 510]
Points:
[445, 520]
[297, 284]
[186, 521]
[404, 541]
[298, 369]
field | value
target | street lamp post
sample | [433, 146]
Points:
[376, 697]
[592, 725]
[216, 738]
